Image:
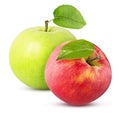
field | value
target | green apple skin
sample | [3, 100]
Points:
[30, 51]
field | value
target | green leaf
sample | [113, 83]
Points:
[76, 49]
[69, 17]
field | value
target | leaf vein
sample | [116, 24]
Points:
[61, 17]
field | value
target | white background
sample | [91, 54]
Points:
[103, 29]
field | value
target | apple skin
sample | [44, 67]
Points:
[75, 81]
[30, 50]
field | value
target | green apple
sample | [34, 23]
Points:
[30, 51]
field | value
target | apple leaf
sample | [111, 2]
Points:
[76, 49]
[69, 17]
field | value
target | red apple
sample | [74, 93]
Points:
[78, 81]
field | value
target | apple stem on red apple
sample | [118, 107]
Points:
[89, 60]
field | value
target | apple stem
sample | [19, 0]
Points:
[46, 25]
[89, 60]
